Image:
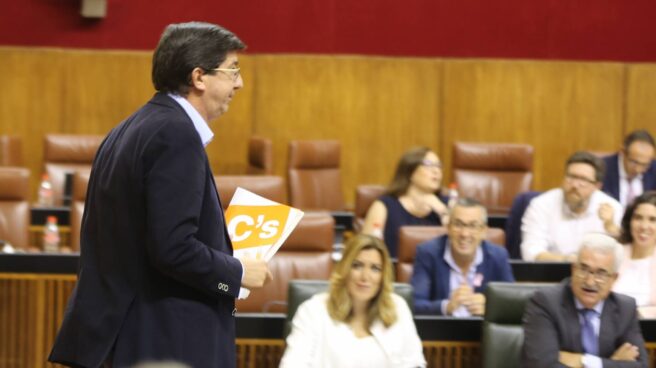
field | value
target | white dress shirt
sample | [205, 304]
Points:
[548, 224]
[457, 278]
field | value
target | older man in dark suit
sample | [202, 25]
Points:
[580, 322]
[632, 171]
[157, 279]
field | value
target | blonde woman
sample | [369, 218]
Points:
[360, 322]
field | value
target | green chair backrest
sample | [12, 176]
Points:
[503, 334]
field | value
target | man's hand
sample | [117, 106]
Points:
[256, 273]
[606, 215]
[626, 352]
[572, 360]
[458, 298]
[475, 304]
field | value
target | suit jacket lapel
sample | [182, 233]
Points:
[443, 273]
[607, 325]
[572, 324]
[615, 177]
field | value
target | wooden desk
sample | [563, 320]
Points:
[32, 305]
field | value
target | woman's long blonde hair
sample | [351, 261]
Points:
[340, 305]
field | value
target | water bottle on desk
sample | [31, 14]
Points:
[453, 195]
[46, 196]
[51, 236]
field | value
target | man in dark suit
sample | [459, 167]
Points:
[631, 171]
[451, 271]
[157, 279]
[580, 322]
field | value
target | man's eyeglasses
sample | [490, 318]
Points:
[431, 164]
[637, 163]
[233, 73]
[599, 276]
[473, 226]
[573, 178]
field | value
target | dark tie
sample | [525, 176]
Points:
[588, 336]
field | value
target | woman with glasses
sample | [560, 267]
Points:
[360, 322]
[410, 199]
[637, 275]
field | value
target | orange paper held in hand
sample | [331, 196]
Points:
[257, 226]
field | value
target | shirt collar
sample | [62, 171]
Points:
[568, 213]
[622, 172]
[200, 124]
[597, 308]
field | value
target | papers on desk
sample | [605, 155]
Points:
[257, 226]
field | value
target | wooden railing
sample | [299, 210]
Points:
[32, 306]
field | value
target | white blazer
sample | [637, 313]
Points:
[317, 340]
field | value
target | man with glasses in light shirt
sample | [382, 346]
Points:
[580, 322]
[555, 221]
[632, 171]
[450, 272]
[157, 278]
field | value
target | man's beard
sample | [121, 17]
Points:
[575, 202]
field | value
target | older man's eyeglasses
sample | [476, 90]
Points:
[233, 73]
[599, 276]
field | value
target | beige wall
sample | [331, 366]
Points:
[376, 106]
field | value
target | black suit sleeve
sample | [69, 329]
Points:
[541, 347]
[175, 185]
[631, 333]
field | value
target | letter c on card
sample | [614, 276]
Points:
[232, 227]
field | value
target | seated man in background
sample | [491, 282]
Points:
[632, 170]
[555, 221]
[451, 271]
[580, 322]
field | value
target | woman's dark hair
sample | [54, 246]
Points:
[186, 46]
[646, 198]
[407, 165]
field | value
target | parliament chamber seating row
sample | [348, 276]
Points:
[493, 173]
[484, 171]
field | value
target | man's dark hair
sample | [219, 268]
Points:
[583, 157]
[186, 46]
[468, 202]
[639, 136]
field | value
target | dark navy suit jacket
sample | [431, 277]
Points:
[156, 280]
[430, 276]
[612, 179]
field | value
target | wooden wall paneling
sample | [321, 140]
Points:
[558, 107]
[376, 107]
[32, 101]
[102, 88]
[641, 97]
[228, 151]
